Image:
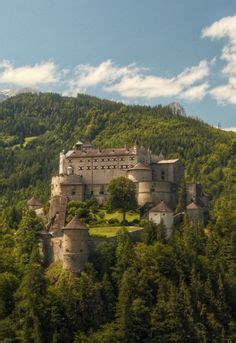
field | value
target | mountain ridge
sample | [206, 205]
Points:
[36, 127]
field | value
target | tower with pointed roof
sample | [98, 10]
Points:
[161, 212]
[75, 246]
[195, 213]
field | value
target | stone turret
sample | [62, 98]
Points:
[195, 213]
[34, 204]
[75, 246]
[161, 212]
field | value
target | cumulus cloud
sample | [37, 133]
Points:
[106, 72]
[195, 93]
[28, 75]
[133, 82]
[225, 28]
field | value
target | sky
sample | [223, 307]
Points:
[138, 52]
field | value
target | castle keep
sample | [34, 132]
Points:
[86, 171]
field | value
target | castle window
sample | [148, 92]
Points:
[115, 167]
[108, 159]
[73, 192]
[131, 158]
[88, 168]
[102, 167]
[89, 160]
[114, 159]
[103, 159]
[95, 167]
[163, 175]
[101, 189]
[108, 167]
[81, 168]
[122, 158]
[95, 160]
[81, 161]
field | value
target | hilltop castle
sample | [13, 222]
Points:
[86, 171]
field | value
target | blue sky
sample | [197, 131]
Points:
[147, 52]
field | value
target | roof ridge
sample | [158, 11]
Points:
[161, 207]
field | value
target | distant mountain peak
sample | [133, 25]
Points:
[177, 108]
[8, 93]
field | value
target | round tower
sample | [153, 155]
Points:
[140, 172]
[75, 246]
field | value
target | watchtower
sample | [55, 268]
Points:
[75, 246]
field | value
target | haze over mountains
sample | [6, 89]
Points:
[8, 93]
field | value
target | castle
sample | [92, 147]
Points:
[86, 171]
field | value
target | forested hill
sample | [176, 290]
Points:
[35, 127]
[181, 289]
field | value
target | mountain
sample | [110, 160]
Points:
[8, 93]
[36, 127]
[156, 290]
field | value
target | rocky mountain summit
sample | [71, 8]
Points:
[177, 108]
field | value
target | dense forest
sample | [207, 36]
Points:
[181, 289]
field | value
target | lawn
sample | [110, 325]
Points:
[110, 231]
[26, 141]
[29, 139]
[130, 215]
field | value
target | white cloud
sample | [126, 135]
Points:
[225, 93]
[229, 129]
[133, 82]
[106, 72]
[225, 28]
[28, 76]
[195, 93]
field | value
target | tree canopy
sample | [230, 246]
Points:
[122, 195]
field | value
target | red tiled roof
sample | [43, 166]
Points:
[75, 224]
[193, 206]
[34, 202]
[93, 152]
[161, 207]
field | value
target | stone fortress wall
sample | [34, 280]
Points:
[86, 171]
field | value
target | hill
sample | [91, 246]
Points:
[36, 127]
[179, 289]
